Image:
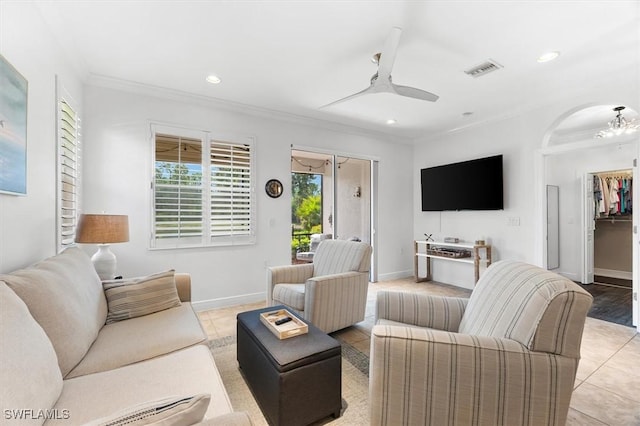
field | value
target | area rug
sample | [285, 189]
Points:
[355, 384]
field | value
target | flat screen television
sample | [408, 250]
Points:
[468, 185]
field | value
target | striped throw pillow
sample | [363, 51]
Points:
[174, 411]
[136, 297]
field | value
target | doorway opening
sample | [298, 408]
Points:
[609, 236]
[332, 198]
[570, 159]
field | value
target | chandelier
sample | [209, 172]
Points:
[619, 125]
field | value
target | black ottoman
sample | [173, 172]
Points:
[296, 381]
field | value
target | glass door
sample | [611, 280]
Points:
[332, 198]
[312, 203]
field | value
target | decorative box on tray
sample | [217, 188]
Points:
[283, 328]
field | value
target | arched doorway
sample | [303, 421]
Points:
[569, 158]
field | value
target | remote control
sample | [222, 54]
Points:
[283, 320]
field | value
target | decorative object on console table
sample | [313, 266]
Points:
[103, 229]
[457, 252]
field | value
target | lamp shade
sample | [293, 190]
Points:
[102, 229]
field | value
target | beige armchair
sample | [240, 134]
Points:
[331, 292]
[508, 355]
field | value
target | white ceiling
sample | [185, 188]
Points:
[296, 56]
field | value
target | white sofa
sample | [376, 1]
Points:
[61, 364]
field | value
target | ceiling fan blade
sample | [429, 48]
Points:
[388, 54]
[412, 92]
[355, 95]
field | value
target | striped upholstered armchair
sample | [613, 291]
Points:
[508, 355]
[331, 292]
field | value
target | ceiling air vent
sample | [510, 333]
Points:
[483, 68]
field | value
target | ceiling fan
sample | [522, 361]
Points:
[381, 80]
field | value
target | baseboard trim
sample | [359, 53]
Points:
[395, 275]
[612, 273]
[223, 302]
[572, 276]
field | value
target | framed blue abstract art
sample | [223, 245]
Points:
[13, 130]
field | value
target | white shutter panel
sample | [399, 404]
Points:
[68, 172]
[231, 200]
[178, 191]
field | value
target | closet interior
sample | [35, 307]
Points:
[613, 246]
[613, 232]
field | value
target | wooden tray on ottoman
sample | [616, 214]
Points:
[295, 327]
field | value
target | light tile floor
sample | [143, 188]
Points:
[607, 388]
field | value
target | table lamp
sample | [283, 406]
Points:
[103, 229]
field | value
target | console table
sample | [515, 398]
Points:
[425, 249]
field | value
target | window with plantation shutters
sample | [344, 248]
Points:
[202, 190]
[230, 189]
[68, 172]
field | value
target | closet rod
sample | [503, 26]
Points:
[620, 174]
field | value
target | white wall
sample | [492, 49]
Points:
[117, 162]
[516, 142]
[519, 139]
[28, 223]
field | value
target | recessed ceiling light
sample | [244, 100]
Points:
[213, 79]
[549, 56]
[391, 121]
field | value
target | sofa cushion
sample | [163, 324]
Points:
[190, 371]
[173, 411]
[64, 294]
[290, 295]
[136, 297]
[138, 339]
[29, 371]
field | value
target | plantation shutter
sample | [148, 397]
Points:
[230, 183]
[178, 190]
[68, 173]
[202, 190]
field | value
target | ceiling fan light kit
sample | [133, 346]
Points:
[381, 81]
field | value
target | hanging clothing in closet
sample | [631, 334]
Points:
[612, 195]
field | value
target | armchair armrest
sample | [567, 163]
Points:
[287, 274]
[183, 285]
[423, 310]
[336, 301]
[436, 377]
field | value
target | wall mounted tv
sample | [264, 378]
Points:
[468, 185]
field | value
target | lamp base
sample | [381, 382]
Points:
[104, 262]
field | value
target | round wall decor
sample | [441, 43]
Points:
[273, 188]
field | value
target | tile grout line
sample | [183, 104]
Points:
[602, 365]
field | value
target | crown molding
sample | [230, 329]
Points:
[103, 81]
